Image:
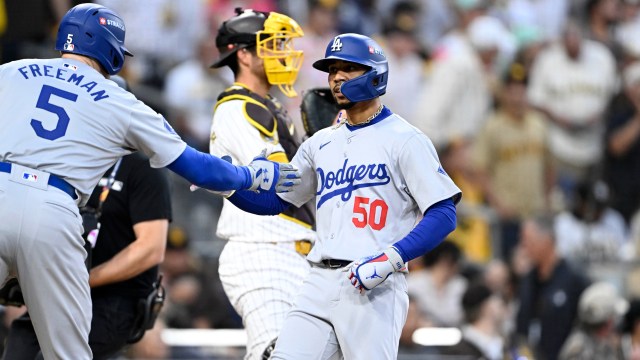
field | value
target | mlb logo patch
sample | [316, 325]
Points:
[371, 50]
[103, 21]
[70, 66]
[68, 47]
[30, 177]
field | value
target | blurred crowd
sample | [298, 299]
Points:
[534, 107]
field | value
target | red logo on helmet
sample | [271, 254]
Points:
[103, 21]
[371, 50]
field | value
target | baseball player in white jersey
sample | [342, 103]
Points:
[372, 175]
[263, 265]
[63, 124]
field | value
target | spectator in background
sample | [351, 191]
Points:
[359, 16]
[572, 82]
[472, 233]
[628, 31]
[622, 160]
[512, 160]
[438, 288]
[595, 337]
[166, 33]
[530, 42]
[547, 15]
[548, 294]
[406, 58]
[190, 92]
[630, 342]
[415, 320]
[30, 27]
[590, 232]
[465, 12]
[601, 18]
[483, 322]
[455, 101]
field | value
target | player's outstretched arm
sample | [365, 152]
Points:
[210, 172]
[438, 221]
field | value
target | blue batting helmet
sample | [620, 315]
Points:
[94, 31]
[361, 50]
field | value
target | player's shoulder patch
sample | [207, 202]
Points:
[260, 117]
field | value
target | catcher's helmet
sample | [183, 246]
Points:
[272, 34]
[94, 31]
[361, 50]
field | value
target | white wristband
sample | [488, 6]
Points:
[394, 258]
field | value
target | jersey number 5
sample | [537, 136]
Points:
[374, 215]
[45, 104]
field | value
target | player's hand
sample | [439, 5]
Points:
[371, 271]
[272, 176]
[226, 193]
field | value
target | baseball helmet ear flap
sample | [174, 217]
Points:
[361, 50]
[94, 31]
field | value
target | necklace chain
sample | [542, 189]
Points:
[369, 118]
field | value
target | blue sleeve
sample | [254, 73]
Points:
[438, 221]
[264, 203]
[210, 172]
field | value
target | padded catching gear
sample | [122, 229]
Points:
[94, 31]
[318, 110]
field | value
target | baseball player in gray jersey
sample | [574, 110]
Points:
[63, 124]
[263, 264]
[373, 175]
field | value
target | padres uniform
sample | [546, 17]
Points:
[63, 126]
[371, 183]
[260, 269]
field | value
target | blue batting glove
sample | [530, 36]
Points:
[371, 271]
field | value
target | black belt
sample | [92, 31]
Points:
[54, 181]
[334, 263]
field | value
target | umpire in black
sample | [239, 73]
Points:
[134, 222]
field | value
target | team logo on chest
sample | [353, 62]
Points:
[349, 178]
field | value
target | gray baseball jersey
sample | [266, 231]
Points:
[49, 122]
[370, 184]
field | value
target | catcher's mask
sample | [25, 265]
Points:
[361, 50]
[272, 34]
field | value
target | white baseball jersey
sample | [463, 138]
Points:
[234, 134]
[49, 122]
[371, 183]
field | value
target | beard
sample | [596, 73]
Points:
[346, 106]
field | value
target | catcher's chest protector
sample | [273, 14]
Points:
[266, 119]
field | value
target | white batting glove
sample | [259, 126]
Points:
[272, 176]
[371, 271]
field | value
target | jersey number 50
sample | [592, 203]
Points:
[45, 104]
[374, 215]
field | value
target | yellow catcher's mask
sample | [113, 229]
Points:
[274, 45]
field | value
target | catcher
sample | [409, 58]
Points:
[263, 263]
